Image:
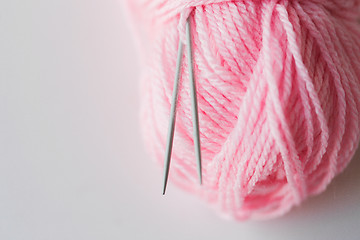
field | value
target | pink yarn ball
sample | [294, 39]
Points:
[278, 92]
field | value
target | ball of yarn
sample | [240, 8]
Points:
[278, 95]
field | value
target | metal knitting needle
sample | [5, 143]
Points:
[194, 105]
[174, 102]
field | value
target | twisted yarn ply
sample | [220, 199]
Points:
[278, 95]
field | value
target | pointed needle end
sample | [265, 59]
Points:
[164, 187]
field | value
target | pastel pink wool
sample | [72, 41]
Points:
[278, 92]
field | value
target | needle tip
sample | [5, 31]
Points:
[164, 189]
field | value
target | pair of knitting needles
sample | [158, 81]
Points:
[174, 102]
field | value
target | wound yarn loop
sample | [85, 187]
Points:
[278, 95]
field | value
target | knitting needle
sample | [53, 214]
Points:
[195, 116]
[174, 101]
[194, 108]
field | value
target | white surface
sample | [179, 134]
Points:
[72, 164]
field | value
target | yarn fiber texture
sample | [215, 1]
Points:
[278, 96]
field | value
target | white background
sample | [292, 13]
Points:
[72, 164]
